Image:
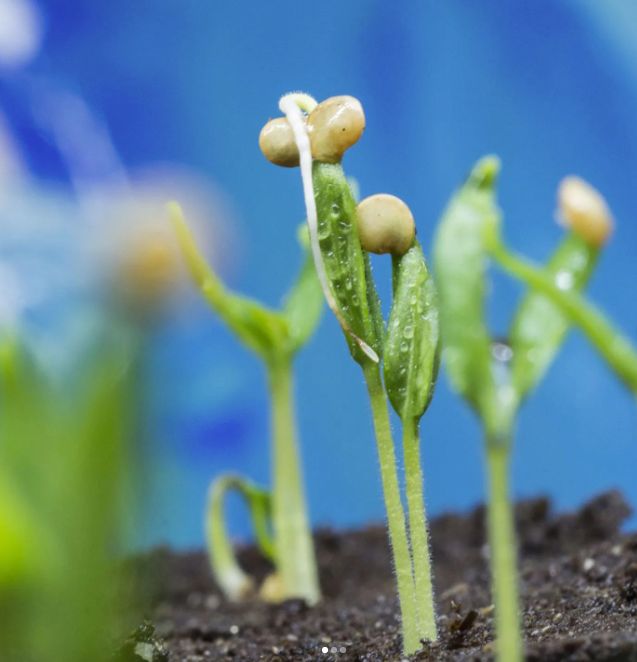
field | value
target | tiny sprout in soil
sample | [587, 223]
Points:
[404, 351]
[495, 377]
[279, 516]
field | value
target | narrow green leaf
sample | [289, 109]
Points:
[460, 267]
[373, 303]
[303, 305]
[343, 256]
[259, 328]
[20, 539]
[539, 326]
[610, 343]
[411, 347]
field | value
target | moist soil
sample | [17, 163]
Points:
[578, 583]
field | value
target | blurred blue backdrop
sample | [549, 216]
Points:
[550, 86]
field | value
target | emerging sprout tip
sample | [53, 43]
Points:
[485, 172]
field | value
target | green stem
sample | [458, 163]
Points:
[233, 581]
[394, 508]
[418, 533]
[294, 549]
[612, 346]
[502, 543]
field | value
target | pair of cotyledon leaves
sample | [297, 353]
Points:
[468, 229]
[269, 333]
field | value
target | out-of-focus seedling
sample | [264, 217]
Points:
[341, 235]
[63, 503]
[584, 211]
[495, 377]
[276, 337]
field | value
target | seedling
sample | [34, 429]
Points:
[341, 235]
[276, 337]
[70, 472]
[583, 210]
[63, 505]
[496, 377]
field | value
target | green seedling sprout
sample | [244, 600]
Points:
[341, 236]
[63, 502]
[582, 209]
[276, 337]
[496, 377]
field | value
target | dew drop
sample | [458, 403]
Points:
[564, 280]
[501, 352]
[323, 232]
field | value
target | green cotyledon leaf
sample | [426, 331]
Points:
[20, 539]
[411, 346]
[259, 328]
[539, 326]
[460, 263]
[303, 304]
[345, 263]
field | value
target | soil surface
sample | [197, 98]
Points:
[578, 582]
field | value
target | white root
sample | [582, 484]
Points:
[291, 106]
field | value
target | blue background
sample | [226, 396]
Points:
[549, 86]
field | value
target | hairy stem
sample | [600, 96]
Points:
[502, 544]
[294, 550]
[616, 350]
[418, 533]
[394, 508]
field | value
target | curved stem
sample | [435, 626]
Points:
[394, 508]
[234, 583]
[294, 548]
[418, 533]
[502, 544]
[616, 350]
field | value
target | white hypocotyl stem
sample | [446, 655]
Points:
[291, 106]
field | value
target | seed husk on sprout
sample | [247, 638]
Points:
[385, 225]
[334, 126]
[582, 209]
[277, 143]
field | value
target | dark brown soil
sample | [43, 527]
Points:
[578, 579]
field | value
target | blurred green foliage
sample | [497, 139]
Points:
[66, 501]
